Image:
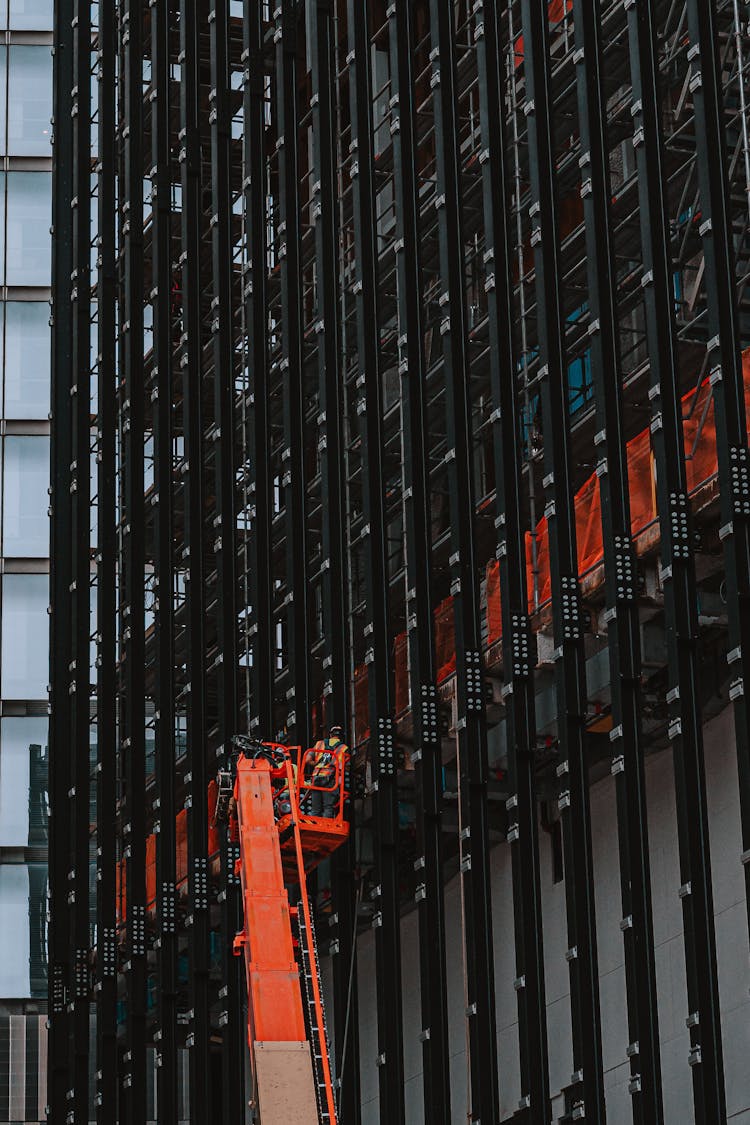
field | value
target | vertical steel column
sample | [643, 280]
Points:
[678, 572]
[258, 540]
[423, 672]
[223, 329]
[63, 379]
[570, 679]
[80, 487]
[378, 656]
[196, 779]
[518, 643]
[298, 690]
[106, 1087]
[324, 217]
[727, 377]
[623, 633]
[471, 723]
[162, 397]
[133, 647]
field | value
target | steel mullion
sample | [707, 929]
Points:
[80, 470]
[106, 567]
[257, 545]
[678, 570]
[222, 305]
[132, 638]
[196, 779]
[323, 215]
[471, 722]
[518, 669]
[378, 658]
[727, 379]
[420, 622]
[623, 633]
[63, 378]
[292, 370]
[164, 623]
[570, 678]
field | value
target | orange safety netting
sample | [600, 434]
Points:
[699, 435]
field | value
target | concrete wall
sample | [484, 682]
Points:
[732, 943]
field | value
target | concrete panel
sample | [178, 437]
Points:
[731, 933]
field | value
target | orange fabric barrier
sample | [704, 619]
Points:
[556, 10]
[401, 664]
[445, 640]
[699, 431]
[700, 435]
[641, 482]
[214, 842]
[588, 509]
[494, 609]
[181, 862]
[150, 870]
[120, 890]
[361, 704]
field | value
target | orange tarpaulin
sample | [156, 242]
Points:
[401, 662]
[699, 433]
[181, 863]
[494, 609]
[361, 704]
[445, 640]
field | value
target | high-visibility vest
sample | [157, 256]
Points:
[329, 753]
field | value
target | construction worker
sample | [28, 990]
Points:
[282, 801]
[325, 768]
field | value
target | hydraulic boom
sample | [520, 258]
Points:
[268, 804]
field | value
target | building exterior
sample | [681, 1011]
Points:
[401, 372]
[25, 134]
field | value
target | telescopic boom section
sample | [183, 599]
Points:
[289, 1052]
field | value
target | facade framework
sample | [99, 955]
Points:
[364, 316]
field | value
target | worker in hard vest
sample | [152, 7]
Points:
[282, 800]
[326, 766]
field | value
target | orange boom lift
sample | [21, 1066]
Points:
[267, 804]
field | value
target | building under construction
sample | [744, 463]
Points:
[399, 383]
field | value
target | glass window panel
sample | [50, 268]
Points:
[23, 781]
[30, 15]
[28, 239]
[3, 85]
[14, 930]
[23, 930]
[25, 636]
[27, 359]
[25, 499]
[30, 107]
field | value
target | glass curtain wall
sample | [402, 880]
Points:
[25, 206]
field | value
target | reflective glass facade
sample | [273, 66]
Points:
[25, 195]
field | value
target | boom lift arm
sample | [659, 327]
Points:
[280, 842]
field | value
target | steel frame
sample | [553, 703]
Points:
[628, 763]
[523, 831]
[352, 228]
[678, 567]
[570, 680]
[427, 756]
